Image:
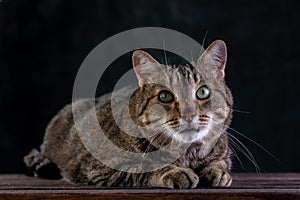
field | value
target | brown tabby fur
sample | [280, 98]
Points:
[205, 162]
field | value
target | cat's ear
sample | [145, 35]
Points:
[215, 54]
[144, 66]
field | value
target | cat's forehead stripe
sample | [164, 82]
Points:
[189, 72]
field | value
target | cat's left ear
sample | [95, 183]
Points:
[145, 67]
[215, 54]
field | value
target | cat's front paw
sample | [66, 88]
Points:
[216, 178]
[180, 178]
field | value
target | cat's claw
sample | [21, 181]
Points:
[218, 178]
[222, 179]
[180, 178]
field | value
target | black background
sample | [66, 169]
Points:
[43, 43]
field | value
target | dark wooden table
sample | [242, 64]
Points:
[245, 186]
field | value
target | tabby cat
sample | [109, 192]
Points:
[189, 106]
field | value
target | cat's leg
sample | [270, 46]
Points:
[173, 177]
[167, 177]
[40, 166]
[215, 174]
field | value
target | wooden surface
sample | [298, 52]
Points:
[245, 186]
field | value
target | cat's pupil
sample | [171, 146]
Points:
[203, 93]
[165, 96]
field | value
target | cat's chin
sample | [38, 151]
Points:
[191, 135]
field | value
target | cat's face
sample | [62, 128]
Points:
[185, 103]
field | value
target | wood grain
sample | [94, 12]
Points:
[245, 186]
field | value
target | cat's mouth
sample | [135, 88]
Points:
[190, 130]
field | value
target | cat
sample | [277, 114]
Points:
[188, 105]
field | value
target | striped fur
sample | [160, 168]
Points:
[206, 161]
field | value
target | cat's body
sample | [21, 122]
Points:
[176, 104]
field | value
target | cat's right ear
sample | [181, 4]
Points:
[215, 54]
[144, 66]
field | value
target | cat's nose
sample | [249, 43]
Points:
[188, 115]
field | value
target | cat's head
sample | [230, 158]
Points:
[185, 103]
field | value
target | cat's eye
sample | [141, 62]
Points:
[203, 93]
[165, 96]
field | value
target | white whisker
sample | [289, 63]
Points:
[164, 46]
[203, 41]
[248, 153]
[240, 146]
[192, 57]
[268, 152]
[241, 111]
[236, 155]
[233, 150]
[242, 149]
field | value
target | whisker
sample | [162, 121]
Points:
[236, 155]
[203, 41]
[233, 150]
[144, 155]
[244, 136]
[164, 46]
[238, 147]
[247, 153]
[241, 147]
[240, 111]
[256, 143]
[192, 57]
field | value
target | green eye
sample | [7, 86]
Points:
[203, 93]
[165, 96]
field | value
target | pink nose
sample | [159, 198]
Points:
[188, 115]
